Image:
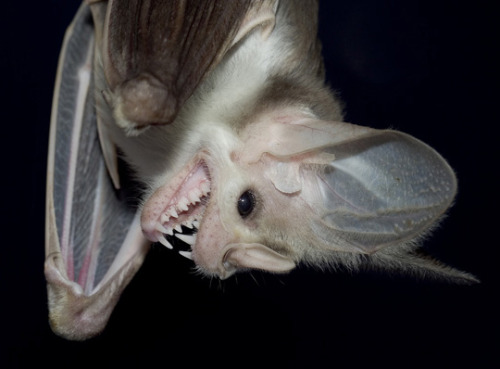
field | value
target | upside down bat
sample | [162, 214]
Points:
[221, 112]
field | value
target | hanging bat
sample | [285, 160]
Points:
[220, 110]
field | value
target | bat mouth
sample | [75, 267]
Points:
[177, 209]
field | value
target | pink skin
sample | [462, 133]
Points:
[213, 240]
[193, 177]
[212, 243]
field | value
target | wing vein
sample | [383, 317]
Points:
[84, 74]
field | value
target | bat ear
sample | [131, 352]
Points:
[381, 189]
[290, 141]
[365, 189]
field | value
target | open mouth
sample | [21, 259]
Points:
[182, 220]
[175, 210]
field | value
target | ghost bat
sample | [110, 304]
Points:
[221, 113]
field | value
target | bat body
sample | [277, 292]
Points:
[221, 112]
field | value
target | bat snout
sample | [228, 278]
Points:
[223, 259]
[212, 244]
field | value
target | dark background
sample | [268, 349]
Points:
[424, 67]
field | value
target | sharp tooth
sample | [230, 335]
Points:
[178, 228]
[187, 224]
[164, 242]
[172, 212]
[164, 218]
[196, 223]
[182, 204]
[189, 239]
[161, 228]
[186, 254]
[170, 231]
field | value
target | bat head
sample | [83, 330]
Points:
[291, 188]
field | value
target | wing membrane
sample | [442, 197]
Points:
[94, 244]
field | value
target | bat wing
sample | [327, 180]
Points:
[94, 243]
[155, 53]
[145, 58]
[152, 55]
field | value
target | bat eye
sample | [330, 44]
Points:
[246, 203]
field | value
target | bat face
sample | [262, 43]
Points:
[228, 201]
[291, 188]
[240, 142]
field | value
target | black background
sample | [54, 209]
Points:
[424, 67]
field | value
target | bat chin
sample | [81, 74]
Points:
[174, 211]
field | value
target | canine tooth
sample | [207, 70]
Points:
[161, 228]
[170, 231]
[186, 254]
[189, 239]
[164, 242]
[178, 228]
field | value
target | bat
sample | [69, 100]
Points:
[207, 127]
